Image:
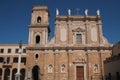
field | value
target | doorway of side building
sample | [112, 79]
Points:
[36, 73]
[79, 73]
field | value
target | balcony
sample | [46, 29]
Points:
[7, 65]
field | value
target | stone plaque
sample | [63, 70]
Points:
[63, 34]
[94, 34]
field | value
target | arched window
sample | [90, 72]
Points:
[37, 39]
[14, 71]
[50, 68]
[39, 19]
[78, 38]
[22, 77]
[63, 69]
[0, 74]
[7, 74]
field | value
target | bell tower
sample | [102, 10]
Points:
[39, 26]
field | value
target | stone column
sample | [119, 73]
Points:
[68, 53]
[101, 63]
[99, 24]
[87, 32]
[44, 64]
[10, 77]
[57, 32]
[3, 71]
[56, 65]
[88, 73]
[68, 32]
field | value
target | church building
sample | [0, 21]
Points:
[76, 52]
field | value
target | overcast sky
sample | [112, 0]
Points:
[15, 16]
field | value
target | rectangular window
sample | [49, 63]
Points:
[8, 60]
[1, 59]
[23, 60]
[9, 50]
[1, 50]
[78, 38]
[24, 50]
[16, 51]
[15, 59]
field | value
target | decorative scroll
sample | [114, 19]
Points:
[78, 30]
[79, 61]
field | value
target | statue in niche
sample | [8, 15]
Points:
[96, 68]
[63, 68]
[50, 68]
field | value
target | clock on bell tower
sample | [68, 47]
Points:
[39, 26]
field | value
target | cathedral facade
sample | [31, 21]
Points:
[76, 52]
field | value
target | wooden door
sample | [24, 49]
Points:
[79, 73]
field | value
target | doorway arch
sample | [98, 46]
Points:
[36, 73]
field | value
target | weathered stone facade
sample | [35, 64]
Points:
[76, 52]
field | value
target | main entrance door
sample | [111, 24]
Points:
[79, 73]
[35, 73]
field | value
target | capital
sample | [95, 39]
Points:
[56, 51]
[69, 51]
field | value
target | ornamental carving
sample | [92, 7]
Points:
[79, 61]
[78, 30]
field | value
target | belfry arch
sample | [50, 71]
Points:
[36, 73]
[37, 39]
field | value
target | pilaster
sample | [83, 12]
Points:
[3, 71]
[56, 65]
[99, 24]
[69, 53]
[88, 71]
[87, 38]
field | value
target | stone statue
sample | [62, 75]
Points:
[86, 12]
[69, 12]
[57, 12]
[95, 68]
[98, 12]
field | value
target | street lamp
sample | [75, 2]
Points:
[17, 75]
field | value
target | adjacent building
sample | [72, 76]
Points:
[112, 64]
[76, 52]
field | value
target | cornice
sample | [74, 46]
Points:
[77, 18]
[69, 48]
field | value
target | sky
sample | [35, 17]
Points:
[15, 17]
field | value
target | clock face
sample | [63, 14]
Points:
[39, 20]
